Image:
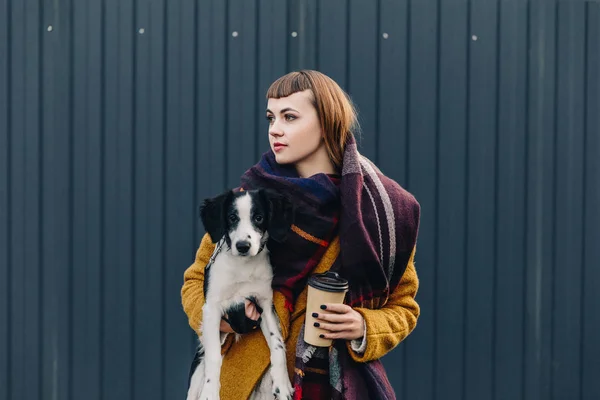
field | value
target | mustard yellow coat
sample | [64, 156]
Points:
[245, 361]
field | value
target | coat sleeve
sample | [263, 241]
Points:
[192, 292]
[389, 325]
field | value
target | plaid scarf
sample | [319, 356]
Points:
[377, 224]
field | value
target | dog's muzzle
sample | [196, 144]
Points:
[243, 247]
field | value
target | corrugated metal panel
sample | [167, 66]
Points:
[5, 227]
[118, 117]
[590, 300]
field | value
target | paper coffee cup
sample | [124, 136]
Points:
[322, 289]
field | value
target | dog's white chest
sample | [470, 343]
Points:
[232, 279]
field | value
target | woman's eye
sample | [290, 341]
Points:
[270, 118]
[289, 117]
[258, 219]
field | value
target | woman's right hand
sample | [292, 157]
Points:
[251, 312]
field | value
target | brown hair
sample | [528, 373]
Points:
[335, 110]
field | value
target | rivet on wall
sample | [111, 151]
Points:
[141, 31]
[294, 34]
[474, 37]
[234, 34]
[50, 28]
[385, 35]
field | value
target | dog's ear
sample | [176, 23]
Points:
[212, 213]
[281, 214]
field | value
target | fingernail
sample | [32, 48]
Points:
[323, 307]
[315, 315]
[317, 324]
[321, 336]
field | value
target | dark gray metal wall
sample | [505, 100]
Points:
[118, 116]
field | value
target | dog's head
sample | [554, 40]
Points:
[247, 219]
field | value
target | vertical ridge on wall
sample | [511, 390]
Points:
[147, 377]
[540, 170]
[422, 134]
[511, 200]
[272, 33]
[362, 70]
[466, 246]
[569, 191]
[256, 99]
[376, 128]
[225, 88]
[17, 195]
[172, 342]
[100, 208]
[550, 367]
[201, 119]
[118, 198]
[88, 149]
[436, 151]
[391, 117]
[392, 83]
[496, 141]
[58, 204]
[240, 110]
[162, 141]
[70, 172]
[220, 91]
[481, 203]
[452, 211]
[49, 315]
[204, 93]
[126, 152]
[293, 17]
[187, 209]
[590, 346]
[32, 202]
[333, 53]
[180, 210]
[527, 182]
[407, 94]
[5, 201]
[134, 197]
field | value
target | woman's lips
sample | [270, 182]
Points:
[278, 147]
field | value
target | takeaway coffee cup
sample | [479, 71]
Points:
[322, 288]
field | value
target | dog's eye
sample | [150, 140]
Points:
[232, 218]
[258, 219]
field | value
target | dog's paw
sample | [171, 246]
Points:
[282, 389]
[210, 391]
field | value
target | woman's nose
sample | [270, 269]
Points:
[275, 131]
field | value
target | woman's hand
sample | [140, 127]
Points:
[340, 321]
[251, 312]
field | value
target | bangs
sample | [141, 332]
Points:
[289, 84]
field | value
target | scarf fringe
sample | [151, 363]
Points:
[308, 353]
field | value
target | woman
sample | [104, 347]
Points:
[350, 219]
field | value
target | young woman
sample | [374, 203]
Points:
[350, 218]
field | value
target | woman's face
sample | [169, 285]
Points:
[294, 130]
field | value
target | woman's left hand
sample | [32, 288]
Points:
[340, 321]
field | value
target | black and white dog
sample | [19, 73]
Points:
[241, 223]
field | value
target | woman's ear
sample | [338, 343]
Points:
[212, 213]
[281, 214]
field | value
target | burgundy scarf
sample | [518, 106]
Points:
[376, 220]
[377, 223]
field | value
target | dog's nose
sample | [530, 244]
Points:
[242, 246]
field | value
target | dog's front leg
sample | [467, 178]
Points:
[282, 388]
[212, 352]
